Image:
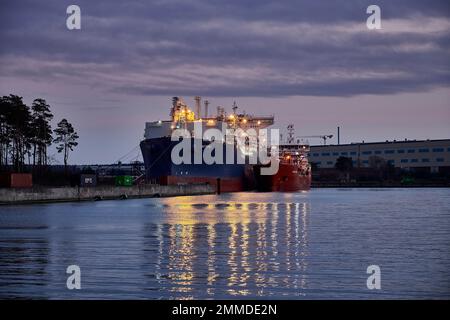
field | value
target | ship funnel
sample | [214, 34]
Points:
[206, 108]
[198, 106]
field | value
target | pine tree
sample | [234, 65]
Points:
[42, 137]
[5, 130]
[65, 138]
[15, 131]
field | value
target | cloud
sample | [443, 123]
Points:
[230, 48]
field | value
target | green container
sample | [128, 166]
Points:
[407, 180]
[124, 181]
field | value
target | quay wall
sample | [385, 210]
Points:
[57, 194]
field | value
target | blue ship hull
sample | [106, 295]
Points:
[159, 167]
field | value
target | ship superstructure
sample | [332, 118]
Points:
[182, 116]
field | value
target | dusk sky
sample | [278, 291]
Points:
[311, 63]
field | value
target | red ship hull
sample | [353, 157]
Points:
[288, 179]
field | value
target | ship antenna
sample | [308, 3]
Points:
[235, 107]
[291, 132]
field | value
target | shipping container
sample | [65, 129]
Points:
[88, 180]
[124, 181]
[16, 180]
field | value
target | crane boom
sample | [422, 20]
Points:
[323, 137]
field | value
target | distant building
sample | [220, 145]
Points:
[429, 155]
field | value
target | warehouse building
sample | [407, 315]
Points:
[430, 155]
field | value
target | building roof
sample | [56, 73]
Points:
[380, 142]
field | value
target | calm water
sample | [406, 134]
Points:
[309, 245]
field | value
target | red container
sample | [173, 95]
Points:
[16, 180]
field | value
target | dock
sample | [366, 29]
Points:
[39, 194]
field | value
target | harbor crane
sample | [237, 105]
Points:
[323, 137]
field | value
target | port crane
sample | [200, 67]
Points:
[323, 137]
[291, 132]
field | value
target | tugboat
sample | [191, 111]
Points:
[294, 173]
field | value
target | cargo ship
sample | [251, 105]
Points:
[228, 176]
[158, 145]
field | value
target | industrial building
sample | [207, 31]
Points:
[429, 155]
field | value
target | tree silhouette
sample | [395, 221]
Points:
[15, 131]
[42, 130]
[65, 138]
[344, 164]
[26, 133]
[6, 110]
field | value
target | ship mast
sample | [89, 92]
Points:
[291, 132]
[235, 107]
[198, 105]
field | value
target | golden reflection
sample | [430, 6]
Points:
[261, 255]
[245, 265]
[212, 275]
[274, 232]
[234, 247]
[180, 257]
[232, 263]
[159, 262]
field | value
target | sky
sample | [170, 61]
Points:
[311, 63]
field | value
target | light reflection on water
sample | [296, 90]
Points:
[248, 245]
[233, 250]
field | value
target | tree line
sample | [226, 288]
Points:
[26, 134]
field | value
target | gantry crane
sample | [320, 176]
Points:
[323, 137]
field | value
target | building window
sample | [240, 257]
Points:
[404, 161]
[401, 151]
[414, 160]
[378, 152]
[365, 161]
[440, 160]
[315, 154]
[353, 153]
[335, 153]
[438, 149]
[330, 163]
[325, 154]
[425, 160]
[391, 162]
[411, 151]
[367, 152]
[388, 151]
[344, 153]
[424, 150]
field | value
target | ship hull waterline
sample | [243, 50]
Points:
[236, 177]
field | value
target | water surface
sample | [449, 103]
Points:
[312, 245]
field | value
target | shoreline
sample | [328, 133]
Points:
[13, 196]
[42, 195]
[379, 185]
